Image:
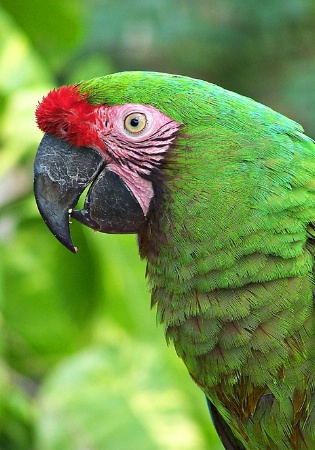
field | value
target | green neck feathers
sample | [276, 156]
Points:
[228, 243]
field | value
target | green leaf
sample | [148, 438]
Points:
[16, 412]
[49, 297]
[116, 396]
[23, 81]
[53, 26]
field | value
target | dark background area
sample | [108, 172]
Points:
[82, 363]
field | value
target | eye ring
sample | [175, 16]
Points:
[135, 122]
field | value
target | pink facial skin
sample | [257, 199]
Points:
[131, 155]
[134, 155]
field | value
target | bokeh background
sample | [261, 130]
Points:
[83, 365]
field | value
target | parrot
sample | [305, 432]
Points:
[220, 191]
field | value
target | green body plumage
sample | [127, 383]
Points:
[229, 245]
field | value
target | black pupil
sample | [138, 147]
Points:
[134, 122]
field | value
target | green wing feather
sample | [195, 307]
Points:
[230, 252]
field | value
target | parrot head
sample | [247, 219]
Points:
[159, 154]
[114, 149]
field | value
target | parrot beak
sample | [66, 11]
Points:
[62, 172]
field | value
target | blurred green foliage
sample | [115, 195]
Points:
[82, 362]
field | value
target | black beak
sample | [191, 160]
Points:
[62, 172]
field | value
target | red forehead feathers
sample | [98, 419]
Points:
[65, 112]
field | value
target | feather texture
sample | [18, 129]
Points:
[230, 256]
[229, 244]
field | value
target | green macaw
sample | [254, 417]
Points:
[221, 193]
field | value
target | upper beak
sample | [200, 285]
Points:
[62, 172]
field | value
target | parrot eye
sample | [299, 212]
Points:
[135, 122]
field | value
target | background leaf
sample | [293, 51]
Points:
[118, 396]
